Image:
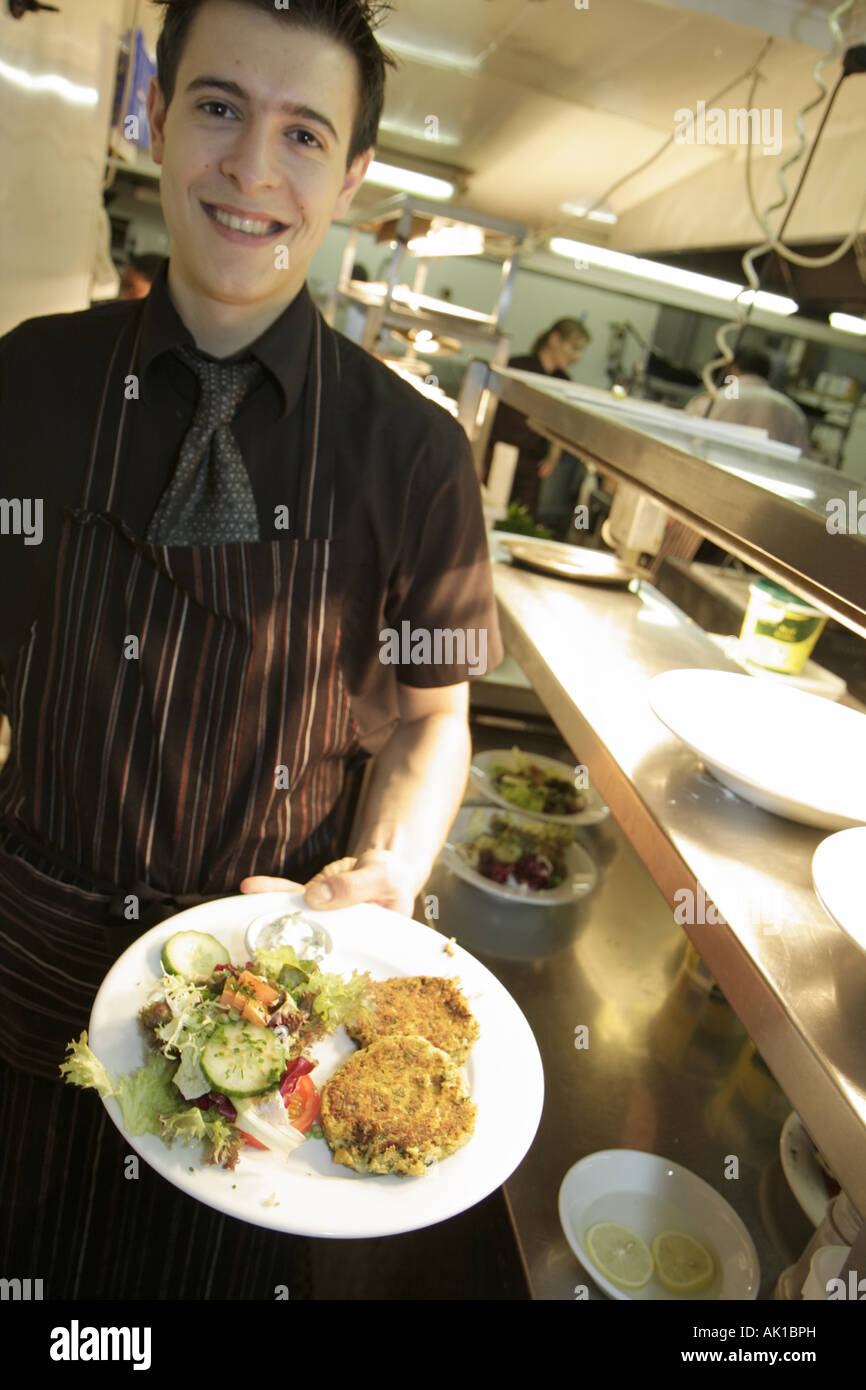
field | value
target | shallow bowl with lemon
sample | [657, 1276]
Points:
[646, 1228]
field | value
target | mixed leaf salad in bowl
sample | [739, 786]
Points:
[513, 852]
[530, 787]
[228, 1064]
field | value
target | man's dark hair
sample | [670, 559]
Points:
[752, 362]
[566, 328]
[350, 23]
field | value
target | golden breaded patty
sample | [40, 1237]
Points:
[427, 1006]
[396, 1107]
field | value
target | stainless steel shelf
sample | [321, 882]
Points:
[794, 979]
[770, 512]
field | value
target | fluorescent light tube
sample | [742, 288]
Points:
[605, 259]
[848, 323]
[408, 181]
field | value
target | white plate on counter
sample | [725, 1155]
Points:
[649, 1194]
[594, 809]
[837, 874]
[308, 1193]
[805, 1176]
[576, 562]
[470, 822]
[795, 754]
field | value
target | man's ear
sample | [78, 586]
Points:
[156, 113]
[355, 175]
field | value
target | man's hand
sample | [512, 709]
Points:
[376, 876]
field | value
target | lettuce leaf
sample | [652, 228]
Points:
[193, 1126]
[142, 1095]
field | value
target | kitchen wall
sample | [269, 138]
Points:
[56, 87]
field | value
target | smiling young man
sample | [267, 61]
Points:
[237, 502]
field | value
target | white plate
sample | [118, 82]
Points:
[580, 880]
[316, 1196]
[837, 873]
[794, 754]
[650, 1195]
[806, 1178]
[595, 810]
[575, 562]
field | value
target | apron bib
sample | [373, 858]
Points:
[180, 715]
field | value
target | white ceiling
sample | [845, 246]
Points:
[565, 101]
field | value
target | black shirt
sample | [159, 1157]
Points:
[408, 504]
[510, 426]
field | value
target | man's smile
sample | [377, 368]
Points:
[240, 224]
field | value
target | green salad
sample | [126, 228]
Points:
[519, 853]
[228, 1064]
[528, 786]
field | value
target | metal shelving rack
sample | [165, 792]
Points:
[388, 305]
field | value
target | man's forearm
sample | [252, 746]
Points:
[415, 789]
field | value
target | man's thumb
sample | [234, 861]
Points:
[342, 887]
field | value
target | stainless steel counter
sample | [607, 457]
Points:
[668, 1067]
[795, 980]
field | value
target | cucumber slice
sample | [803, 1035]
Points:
[243, 1059]
[193, 955]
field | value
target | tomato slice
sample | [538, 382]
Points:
[304, 1104]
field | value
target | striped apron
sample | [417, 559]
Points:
[180, 720]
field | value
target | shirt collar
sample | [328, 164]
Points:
[283, 349]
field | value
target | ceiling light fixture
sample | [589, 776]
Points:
[848, 323]
[448, 239]
[600, 256]
[593, 215]
[408, 181]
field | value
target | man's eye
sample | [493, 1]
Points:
[210, 107]
[305, 136]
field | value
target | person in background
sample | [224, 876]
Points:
[138, 275]
[754, 402]
[355, 317]
[552, 353]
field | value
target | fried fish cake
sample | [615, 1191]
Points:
[427, 1006]
[396, 1107]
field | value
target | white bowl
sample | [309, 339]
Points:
[595, 809]
[581, 873]
[794, 754]
[837, 875]
[650, 1195]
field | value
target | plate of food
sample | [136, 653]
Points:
[519, 860]
[648, 1229]
[358, 1092]
[536, 786]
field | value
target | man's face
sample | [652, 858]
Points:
[258, 128]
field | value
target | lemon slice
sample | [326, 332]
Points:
[620, 1254]
[682, 1263]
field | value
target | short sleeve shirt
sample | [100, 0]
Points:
[408, 509]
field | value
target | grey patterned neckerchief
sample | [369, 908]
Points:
[209, 498]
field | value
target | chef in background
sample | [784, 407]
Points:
[552, 354]
[755, 402]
